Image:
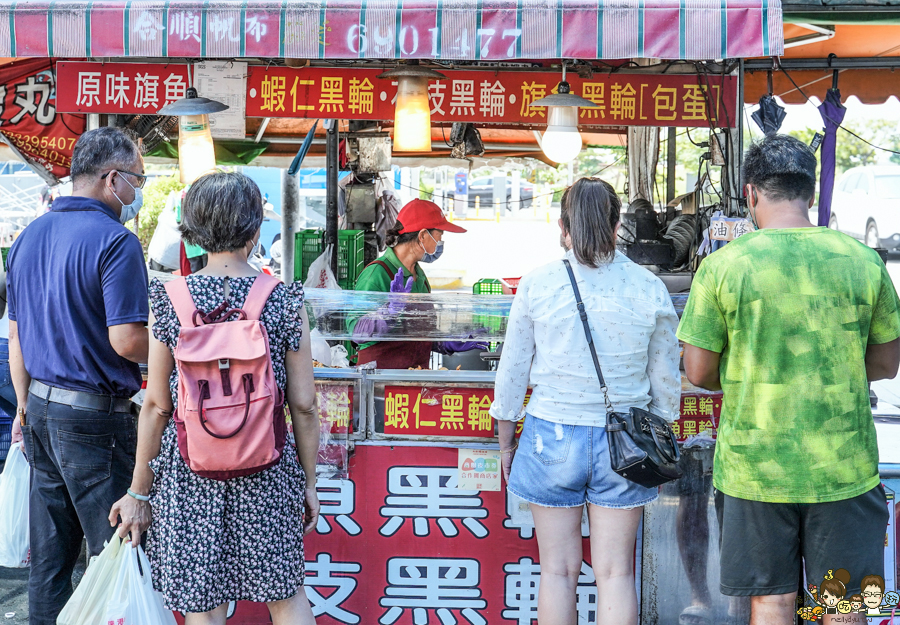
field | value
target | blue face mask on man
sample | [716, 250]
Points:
[438, 250]
[130, 211]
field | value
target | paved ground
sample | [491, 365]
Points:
[14, 593]
[13, 596]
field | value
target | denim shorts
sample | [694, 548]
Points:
[564, 466]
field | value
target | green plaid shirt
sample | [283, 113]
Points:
[792, 312]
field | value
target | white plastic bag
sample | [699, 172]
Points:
[339, 357]
[321, 352]
[87, 605]
[133, 600]
[320, 275]
[14, 486]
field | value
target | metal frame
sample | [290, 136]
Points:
[881, 62]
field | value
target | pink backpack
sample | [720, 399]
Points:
[230, 416]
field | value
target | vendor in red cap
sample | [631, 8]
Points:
[417, 237]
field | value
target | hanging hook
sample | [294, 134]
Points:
[834, 72]
[769, 82]
[564, 70]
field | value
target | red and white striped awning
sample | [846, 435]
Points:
[496, 30]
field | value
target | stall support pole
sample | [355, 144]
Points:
[331, 192]
[736, 152]
[670, 165]
[93, 121]
[290, 211]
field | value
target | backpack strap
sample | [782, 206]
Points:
[259, 294]
[182, 301]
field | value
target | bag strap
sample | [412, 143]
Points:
[182, 301]
[587, 333]
[259, 294]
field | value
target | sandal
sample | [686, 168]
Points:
[695, 615]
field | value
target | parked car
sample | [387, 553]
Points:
[484, 188]
[866, 205]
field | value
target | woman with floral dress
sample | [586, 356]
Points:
[210, 542]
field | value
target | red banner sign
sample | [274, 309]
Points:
[30, 120]
[463, 412]
[119, 88]
[492, 97]
[335, 400]
[699, 413]
[438, 411]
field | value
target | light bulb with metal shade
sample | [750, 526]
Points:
[196, 153]
[561, 141]
[412, 113]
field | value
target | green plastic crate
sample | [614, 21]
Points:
[351, 257]
[309, 245]
[487, 286]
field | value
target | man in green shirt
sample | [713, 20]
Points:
[791, 322]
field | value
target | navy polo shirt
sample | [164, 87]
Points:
[72, 273]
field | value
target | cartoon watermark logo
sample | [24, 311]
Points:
[831, 597]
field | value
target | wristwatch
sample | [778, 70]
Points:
[20, 412]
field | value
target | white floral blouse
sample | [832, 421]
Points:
[633, 323]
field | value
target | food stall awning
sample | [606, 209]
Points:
[494, 30]
[872, 82]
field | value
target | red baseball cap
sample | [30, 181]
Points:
[424, 215]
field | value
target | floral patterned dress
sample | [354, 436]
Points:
[211, 542]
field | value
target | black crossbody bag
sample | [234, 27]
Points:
[642, 446]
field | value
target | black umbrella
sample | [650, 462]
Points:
[769, 115]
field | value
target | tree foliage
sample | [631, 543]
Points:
[851, 152]
[155, 196]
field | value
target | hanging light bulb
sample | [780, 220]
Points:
[561, 141]
[196, 154]
[412, 114]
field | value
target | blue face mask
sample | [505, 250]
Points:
[130, 211]
[438, 250]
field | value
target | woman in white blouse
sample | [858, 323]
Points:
[561, 461]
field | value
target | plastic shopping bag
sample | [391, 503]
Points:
[133, 600]
[14, 486]
[320, 275]
[87, 605]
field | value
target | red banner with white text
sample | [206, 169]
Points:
[30, 118]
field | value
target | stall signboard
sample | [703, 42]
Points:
[402, 543]
[120, 88]
[438, 411]
[30, 117]
[491, 97]
[463, 412]
[699, 413]
[335, 401]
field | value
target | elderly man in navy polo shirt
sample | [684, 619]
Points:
[78, 309]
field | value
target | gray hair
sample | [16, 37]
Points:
[590, 212]
[101, 150]
[221, 212]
